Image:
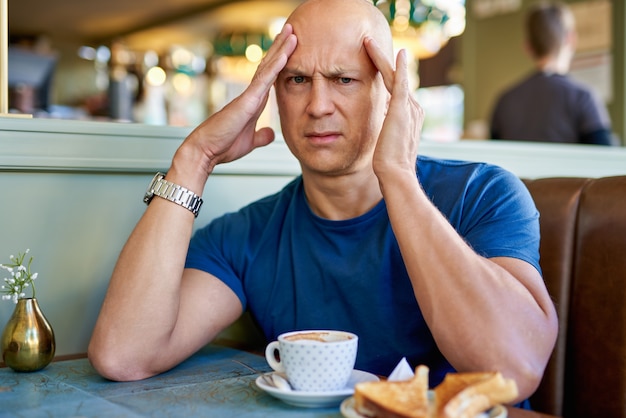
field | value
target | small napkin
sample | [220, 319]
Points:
[402, 371]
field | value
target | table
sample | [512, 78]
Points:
[209, 384]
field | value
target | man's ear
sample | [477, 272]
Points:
[572, 39]
[528, 49]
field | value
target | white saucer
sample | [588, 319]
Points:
[348, 411]
[317, 399]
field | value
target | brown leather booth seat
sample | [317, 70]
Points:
[583, 258]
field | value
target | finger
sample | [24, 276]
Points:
[263, 136]
[380, 61]
[282, 40]
[401, 88]
[403, 97]
[401, 77]
[274, 61]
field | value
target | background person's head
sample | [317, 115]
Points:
[550, 32]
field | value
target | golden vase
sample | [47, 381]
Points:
[28, 339]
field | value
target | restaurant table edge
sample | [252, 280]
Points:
[211, 383]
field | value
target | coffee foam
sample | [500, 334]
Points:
[324, 337]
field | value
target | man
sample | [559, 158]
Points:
[355, 243]
[548, 106]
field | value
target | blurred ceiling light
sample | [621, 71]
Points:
[150, 59]
[182, 83]
[423, 26]
[155, 76]
[254, 53]
[198, 64]
[181, 57]
[87, 53]
[185, 61]
[103, 54]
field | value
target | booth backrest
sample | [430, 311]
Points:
[583, 258]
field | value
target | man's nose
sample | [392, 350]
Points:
[320, 98]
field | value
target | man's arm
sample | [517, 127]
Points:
[156, 313]
[484, 314]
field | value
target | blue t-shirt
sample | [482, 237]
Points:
[294, 270]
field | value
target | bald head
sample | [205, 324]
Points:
[331, 96]
[326, 21]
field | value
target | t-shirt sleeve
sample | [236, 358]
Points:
[209, 251]
[500, 217]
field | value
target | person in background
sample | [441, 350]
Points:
[548, 105]
[436, 261]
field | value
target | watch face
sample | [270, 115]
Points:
[150, 191]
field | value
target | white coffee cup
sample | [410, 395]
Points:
[314, 360]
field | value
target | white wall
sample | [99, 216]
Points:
[72, 192]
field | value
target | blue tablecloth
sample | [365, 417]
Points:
[209, 384]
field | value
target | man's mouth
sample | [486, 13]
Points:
[322, 136]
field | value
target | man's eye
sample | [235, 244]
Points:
[298, 79]
[345, 80]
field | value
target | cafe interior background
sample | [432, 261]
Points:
[102, 94]
[176, 62]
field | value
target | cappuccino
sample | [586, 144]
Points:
[321, 336]
[311, 366]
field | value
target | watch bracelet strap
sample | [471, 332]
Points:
[179, 195]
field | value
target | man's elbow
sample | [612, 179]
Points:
[528, 381]
[528, 374]
[111, 365]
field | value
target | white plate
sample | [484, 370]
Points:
[317, 399]
[348, 411]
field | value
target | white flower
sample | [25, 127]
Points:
[21, 277]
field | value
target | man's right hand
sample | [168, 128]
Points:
[152, 300]
[231, 133]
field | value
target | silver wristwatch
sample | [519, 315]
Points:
[174, 193]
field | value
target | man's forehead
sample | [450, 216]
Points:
[346, 33]
[329, 57]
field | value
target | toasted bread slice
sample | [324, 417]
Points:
[453, 384]
[385, 399]
[464, 395]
